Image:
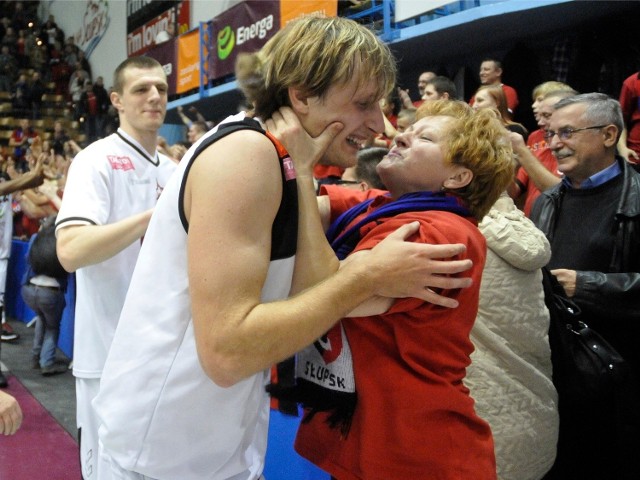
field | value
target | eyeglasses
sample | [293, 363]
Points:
[567, 133]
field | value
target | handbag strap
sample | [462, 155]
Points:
[554, 293]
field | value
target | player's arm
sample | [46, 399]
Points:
[232, 195]
[81, 245]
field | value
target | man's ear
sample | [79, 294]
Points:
[115, 101]
[611, 134]
[460, 178]
[299, 100]
[445, 96]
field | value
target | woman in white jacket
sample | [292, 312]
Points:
[510, 371]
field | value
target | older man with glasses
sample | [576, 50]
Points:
[592, 220]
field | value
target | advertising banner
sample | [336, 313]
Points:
[245, 27]
[166, 54]
[174, 19]
[188, 75]
[292, 9]
[95, 22]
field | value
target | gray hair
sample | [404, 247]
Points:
[601, 109]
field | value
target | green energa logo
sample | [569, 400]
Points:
[226, 42]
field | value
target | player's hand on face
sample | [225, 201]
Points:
[305, 150]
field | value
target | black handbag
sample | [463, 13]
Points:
[585, 365]
[587, 370]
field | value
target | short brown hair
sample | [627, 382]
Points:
[475, 140]
[132, 62]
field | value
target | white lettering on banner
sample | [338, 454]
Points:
[146, 36]
[258, 29]
[134, 5]
[134, 43]
[185, 73]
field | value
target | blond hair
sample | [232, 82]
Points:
[313, 54]
[475, 140]
[548, 87]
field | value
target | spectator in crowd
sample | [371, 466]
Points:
[225, 302]
[37, 89]
[21, 54]
[629, 145]
[60, 70]
[43, 290]
[84, 63]
[405, 99]
[20, 97]
[389, 109]
[592, 223]
[196, 130]
[510, 372]
[8, 68]
[7, 187]
[439, 88]
[537, 96]
[538, 167]
[39, 58]
[10, 40]
[89, 108]
[21, 138]
[363, 176]
[175, 152]
[103, 105]
[491, 74]
[77, 81]
[59, 138]
[198, 117]
[406, 117]
[408, 356]
[52, 32]
[493, 97]
[71, 56]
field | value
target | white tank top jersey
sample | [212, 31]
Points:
[161, 415]
[108, 181]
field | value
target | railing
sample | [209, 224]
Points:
[379, 14]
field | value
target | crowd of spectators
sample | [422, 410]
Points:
[35, 59]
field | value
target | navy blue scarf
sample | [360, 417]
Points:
[344, 243]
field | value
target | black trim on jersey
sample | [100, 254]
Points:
[72, 219]
[284, 232]
[144, 154]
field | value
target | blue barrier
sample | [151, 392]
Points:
[15, 307]
[282, 462]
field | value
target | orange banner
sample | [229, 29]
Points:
[292, 9]
[188, 61]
